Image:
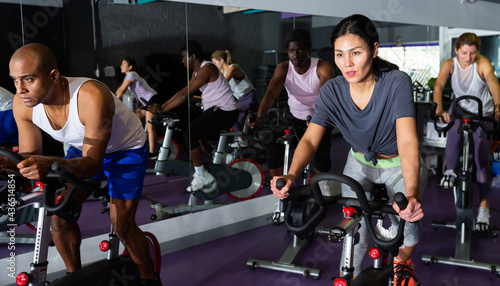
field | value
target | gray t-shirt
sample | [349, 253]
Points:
[373, 129]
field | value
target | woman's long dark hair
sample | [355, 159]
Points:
[133, 63]
[363, 27]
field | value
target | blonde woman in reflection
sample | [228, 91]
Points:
[242, 87]
[471, 74]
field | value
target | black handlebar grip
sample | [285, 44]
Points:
[144, 101]
[280, 183]
[252, 118]
[11, 155]
[309, 117]
[401, 200]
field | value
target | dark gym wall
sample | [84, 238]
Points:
[160, 28]
[41, 25]
[79, 38]
[153, 30]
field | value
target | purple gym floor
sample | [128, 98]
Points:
[223, 261]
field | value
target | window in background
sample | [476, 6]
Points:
[419, 61]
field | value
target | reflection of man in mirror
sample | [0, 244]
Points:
[219, 108]
[106, 138]
[302, 76]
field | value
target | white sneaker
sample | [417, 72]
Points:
[448, 180]
[278, 217]
[483, 216]
[200, 181]
[228, 158]
[325, 188]
[239, 143]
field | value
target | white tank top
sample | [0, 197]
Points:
[217, 93]
[126, 132]
[303, 90]
[240, 87]
[468, 82]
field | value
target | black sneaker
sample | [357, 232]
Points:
[153, 156]
[150, 282]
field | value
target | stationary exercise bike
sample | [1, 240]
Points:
[287, 262]
[381, 272]
[116, 269]
[463, 192]
[241, 179]
[25, 194]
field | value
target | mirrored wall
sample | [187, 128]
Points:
[91, 38]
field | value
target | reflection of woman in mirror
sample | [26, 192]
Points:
[372, 105]
[471, 74]
[242, 87]
[140, 88]
[219, 108]
[302, 76]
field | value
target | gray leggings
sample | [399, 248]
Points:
[367, 176]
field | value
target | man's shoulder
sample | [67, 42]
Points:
[91, 88]
[324, 63]
[209, 67]
[282, 67]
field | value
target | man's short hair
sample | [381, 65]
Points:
[299, 35]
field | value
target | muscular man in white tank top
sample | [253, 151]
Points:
[87, 115]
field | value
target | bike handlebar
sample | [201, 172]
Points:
[49, 193]
[51, 186]
[11, 155]
[453, 116]
[316, 218]
[367, 209]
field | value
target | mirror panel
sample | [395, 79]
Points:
[154, 33]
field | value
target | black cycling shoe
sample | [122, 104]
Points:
[151, 282]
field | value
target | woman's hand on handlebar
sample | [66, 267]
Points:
[413, 211]
[283, 193]
[155, 108]
[35, 167]
[444, 117]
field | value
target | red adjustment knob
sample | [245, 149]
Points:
[23, 279]
[104, 245]
[374, 253]
[39, 184]
[287, 131]
[340, 282]
[15, 149]
[466, 120]
[348, 211]
[231, 129]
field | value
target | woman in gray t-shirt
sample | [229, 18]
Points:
[372, 105]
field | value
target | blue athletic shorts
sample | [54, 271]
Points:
[125, 171]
